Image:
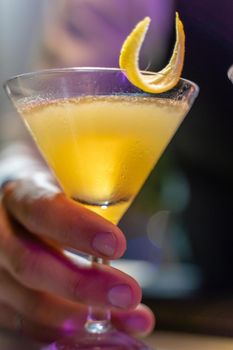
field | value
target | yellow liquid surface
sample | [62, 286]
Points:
[102, 149]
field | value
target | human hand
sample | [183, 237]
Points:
[42, 290]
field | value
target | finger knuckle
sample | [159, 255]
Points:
[74, 286]
[24, 265]
[34, 306]
[4, 282]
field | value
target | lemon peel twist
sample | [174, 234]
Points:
[166, 78]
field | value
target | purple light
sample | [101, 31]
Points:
[68, 326]
[50, 347]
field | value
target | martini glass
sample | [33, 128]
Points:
[101, 136]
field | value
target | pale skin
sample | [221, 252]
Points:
[40, 283]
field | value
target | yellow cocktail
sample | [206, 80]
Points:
[102, 148]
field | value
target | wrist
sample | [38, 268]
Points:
[18, 161]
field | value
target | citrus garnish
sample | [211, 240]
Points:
[166, 78]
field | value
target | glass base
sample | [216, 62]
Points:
[112, 340]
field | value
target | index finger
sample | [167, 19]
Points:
[50, 214]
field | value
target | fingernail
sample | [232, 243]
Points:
[120, 296]
[136, 324]
[104, 243]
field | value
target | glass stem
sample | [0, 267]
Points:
[98, 318]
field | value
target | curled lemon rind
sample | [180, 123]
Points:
[166, 78]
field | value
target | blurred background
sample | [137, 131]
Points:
[179, 229]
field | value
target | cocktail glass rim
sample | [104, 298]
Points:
[88, 69]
